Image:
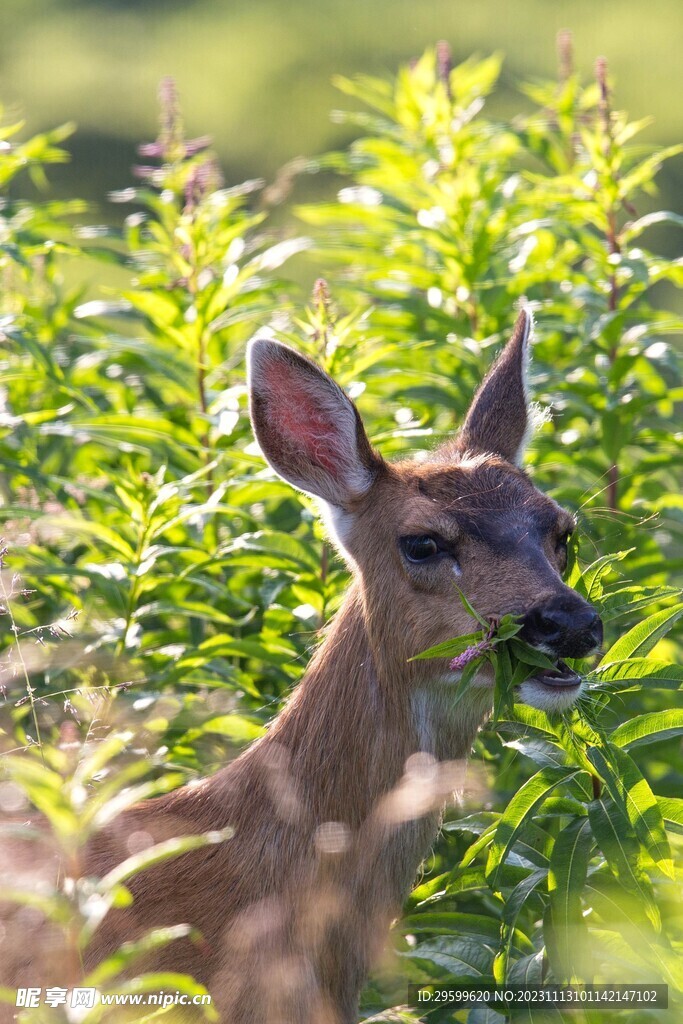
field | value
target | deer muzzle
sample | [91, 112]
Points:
[566, 627]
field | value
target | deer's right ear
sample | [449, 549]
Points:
[500, 417]
[308, 429]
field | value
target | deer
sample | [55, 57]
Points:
[333, 809]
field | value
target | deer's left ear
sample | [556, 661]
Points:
[308, 429]
[500, 420]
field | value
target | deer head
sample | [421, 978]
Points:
[467, 517]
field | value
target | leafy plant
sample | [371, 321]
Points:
[449, 218]
[582, 844]
[162, 588]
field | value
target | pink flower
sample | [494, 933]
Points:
[472, 652]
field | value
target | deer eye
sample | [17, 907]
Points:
[419, 549]
[563, 540]
[561, 549]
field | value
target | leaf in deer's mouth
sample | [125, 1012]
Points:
[559, 676]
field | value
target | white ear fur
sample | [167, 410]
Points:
[537, 415]
[533, 410]
[308, 429]
[526, 342]
[339, 527]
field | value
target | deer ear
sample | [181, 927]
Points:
[499, 420]
[308, 429]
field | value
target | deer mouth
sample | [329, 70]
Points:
[560, 677]
[553, 690]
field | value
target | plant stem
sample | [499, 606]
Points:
[613, 248]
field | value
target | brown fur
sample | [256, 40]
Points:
[336, 806]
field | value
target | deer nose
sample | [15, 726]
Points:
[567, 628]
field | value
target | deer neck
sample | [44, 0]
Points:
[362, 711]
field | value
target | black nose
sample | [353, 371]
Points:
[568, 627]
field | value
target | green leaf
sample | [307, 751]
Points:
[478, 845]
[620, 849]
[475, 823]
[197, 609]
[522, 805]
[645, 671]
[100, 756]
[649, 728]
[640, 640]
[115, 795]
[98, 534]
[44, 788]
[627, 600]
[466, 678]
[129, 952]
[484, 1015]
[529, 970]
[530, 721]
[472, 611]
[530, 655]
[646, 946]
[589, 582]
[273, 651]
[642, 175]
[473, 879]
[274, 550]
[449, 648]
[631, 792]
[520, 894]
[450, 922]
[672, 812]
[636, 227]
[511, 911]
[566, 879]
[459, 956]
[235, 727]
[543, 753]
[507, 627]
[161, 852]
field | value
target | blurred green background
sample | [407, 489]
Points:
[256, 75]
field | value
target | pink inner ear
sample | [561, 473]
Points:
[302, 418]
